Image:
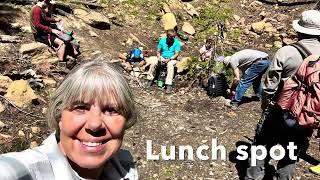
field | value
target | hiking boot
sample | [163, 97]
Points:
[315, 169]
[61, 68]
[169, 89]
[255, 98]
[232, 104]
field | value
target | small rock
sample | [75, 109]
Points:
[188, 28]
[231, 114]
[21, 133]
[269, 28]
[268, 45]
[30, 135]
[236, 17]
[258, 27]
[93, 34]
[287, 41]
[129, 42]
[4, 81]
[2, 124]
[44, 110]
[282, 17]
[33, 144]
[277, 44]
[26, 29]
[166, 8]
[35, 130]
[49, 82]
[263, 14]
[5, 136]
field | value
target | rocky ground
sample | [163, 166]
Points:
[187, 117]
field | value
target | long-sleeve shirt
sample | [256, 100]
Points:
[285, 63]
[47, 162]
[39, 21]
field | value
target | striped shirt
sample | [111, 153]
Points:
[46, 162]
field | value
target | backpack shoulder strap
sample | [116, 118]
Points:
[302, 49]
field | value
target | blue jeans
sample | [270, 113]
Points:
[252, 76]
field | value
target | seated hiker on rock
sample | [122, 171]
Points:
[168, 51]
[44, 32]
[206, 50]
[253, 64]
[90, 112]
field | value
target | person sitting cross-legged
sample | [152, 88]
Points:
[168, 51]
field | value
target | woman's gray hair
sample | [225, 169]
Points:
[95, 80]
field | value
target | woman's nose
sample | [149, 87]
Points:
[95, 120]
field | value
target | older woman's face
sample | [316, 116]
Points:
[90, 134]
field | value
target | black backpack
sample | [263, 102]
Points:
[217, 85]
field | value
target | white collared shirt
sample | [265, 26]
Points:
[46, 162]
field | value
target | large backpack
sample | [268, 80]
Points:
[300, 94]
[135, 55]
[217, 85]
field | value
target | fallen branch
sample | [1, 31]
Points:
[90, 5]
[293, 3]
[9, 39]
[27, 114]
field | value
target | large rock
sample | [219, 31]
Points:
[32, 47]
[168, 21]
[44, 58]
[20, 93]
[188, 28]
[4, 82]
[258, 27]
[182, 65]
[93, 19]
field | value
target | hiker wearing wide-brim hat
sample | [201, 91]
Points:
[275, 125]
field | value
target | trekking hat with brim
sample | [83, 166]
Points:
[309, 23]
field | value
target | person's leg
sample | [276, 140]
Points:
[257, 84]
[152, 69]
[266, 135]
[300, 137]
[61, 49]
[170, 72]
[254, 71]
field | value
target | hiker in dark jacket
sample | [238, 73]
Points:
[275, 126]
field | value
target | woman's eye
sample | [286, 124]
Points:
[80, 108]
[111, 110]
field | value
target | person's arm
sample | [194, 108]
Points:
[177, 50]
[36, 20]
[272, 80]
[176, 54]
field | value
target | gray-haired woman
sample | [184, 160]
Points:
[90, 111]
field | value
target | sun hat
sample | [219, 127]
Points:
[309, 23]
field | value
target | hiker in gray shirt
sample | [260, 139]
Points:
[276, 126]
[253, 64]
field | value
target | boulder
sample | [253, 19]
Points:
[168, 21]
[44, 58]
[20, 93]
[4, 82]
[182, 65]
[258, 27]
[93, 19]
[188, 28]
[32, 47]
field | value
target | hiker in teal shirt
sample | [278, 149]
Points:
[168, 51]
